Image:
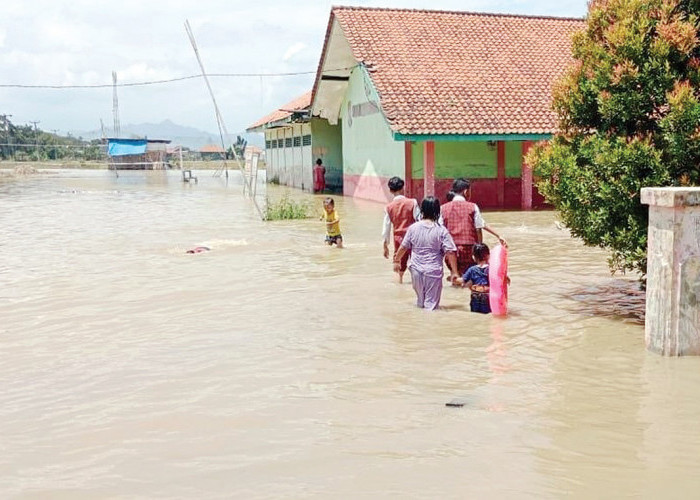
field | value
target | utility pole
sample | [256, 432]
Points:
[115, 106]
[36, 138]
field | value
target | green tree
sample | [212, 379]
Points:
[629, 117]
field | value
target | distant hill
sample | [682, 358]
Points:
[179, 134]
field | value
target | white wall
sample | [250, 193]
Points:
[291, 164]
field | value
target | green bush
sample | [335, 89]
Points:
[286, 209]
[629, 117]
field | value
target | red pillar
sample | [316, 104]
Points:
[526, 180]
[408, 168]
[501, 172]
[429, 168]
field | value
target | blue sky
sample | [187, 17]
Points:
[80, 42]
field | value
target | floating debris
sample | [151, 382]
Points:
[456, 403]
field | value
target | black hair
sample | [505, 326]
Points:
[460, 185]
[450, 196]
[328, 201]
[481, 252]
[318, 162]
[396, 184]
[430, 208]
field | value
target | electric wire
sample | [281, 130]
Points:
[168, 80]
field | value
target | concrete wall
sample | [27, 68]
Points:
[290, 162]
[370, 154]
[327, 144]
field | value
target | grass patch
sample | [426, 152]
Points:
[286, 209]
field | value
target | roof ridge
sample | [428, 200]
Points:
[461, 12]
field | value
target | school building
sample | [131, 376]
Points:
[294, 141]
[431, 96]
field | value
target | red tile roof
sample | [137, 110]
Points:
[442, 72]
[300, 103]
[212, 148]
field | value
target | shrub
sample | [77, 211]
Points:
[286, 209]
[629, 117]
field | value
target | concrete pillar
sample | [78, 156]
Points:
[408, 168]
[673, 271]
[526, 179]
[429, 168]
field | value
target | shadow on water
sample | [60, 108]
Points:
[620, 299]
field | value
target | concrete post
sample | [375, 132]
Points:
[673, 271]
[428, 168]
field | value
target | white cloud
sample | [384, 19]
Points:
[83, 41]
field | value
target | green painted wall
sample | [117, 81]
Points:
[368, 144]
[327, 144]
[514, 160]
[470, 159]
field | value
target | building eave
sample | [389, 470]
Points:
[471, 137]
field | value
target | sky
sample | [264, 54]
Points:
[80, 42]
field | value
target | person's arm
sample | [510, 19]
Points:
[451, 258]
[501, 240]
[386, 233]
[450, 249]
[480, 224]
[405, 246]
[335, 219]
[416, 211]
[397, 258]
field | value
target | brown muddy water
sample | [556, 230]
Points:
[276, 367]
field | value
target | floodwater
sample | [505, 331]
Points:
[276, 367]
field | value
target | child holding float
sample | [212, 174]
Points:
[476, 278]
[480, 277]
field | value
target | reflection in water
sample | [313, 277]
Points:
[274, 366]
[619, 299]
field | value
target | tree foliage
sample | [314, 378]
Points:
[629, 117]
[25, 143]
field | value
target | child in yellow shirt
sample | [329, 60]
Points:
[329, 215]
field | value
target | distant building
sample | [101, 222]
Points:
[429, 96]
[212, 152]
[137, 154]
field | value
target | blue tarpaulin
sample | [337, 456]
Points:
[123, 147]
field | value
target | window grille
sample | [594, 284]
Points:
[306, 140]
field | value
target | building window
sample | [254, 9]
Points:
[267, 144]
[273, 143]
[288, 142]
[306, 140]
[297, 141]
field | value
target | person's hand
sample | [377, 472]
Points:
[454, 278]
[397, 266]
[386, 251]
[503, 242]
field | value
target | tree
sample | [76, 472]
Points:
[629, 117]
[239, 146]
